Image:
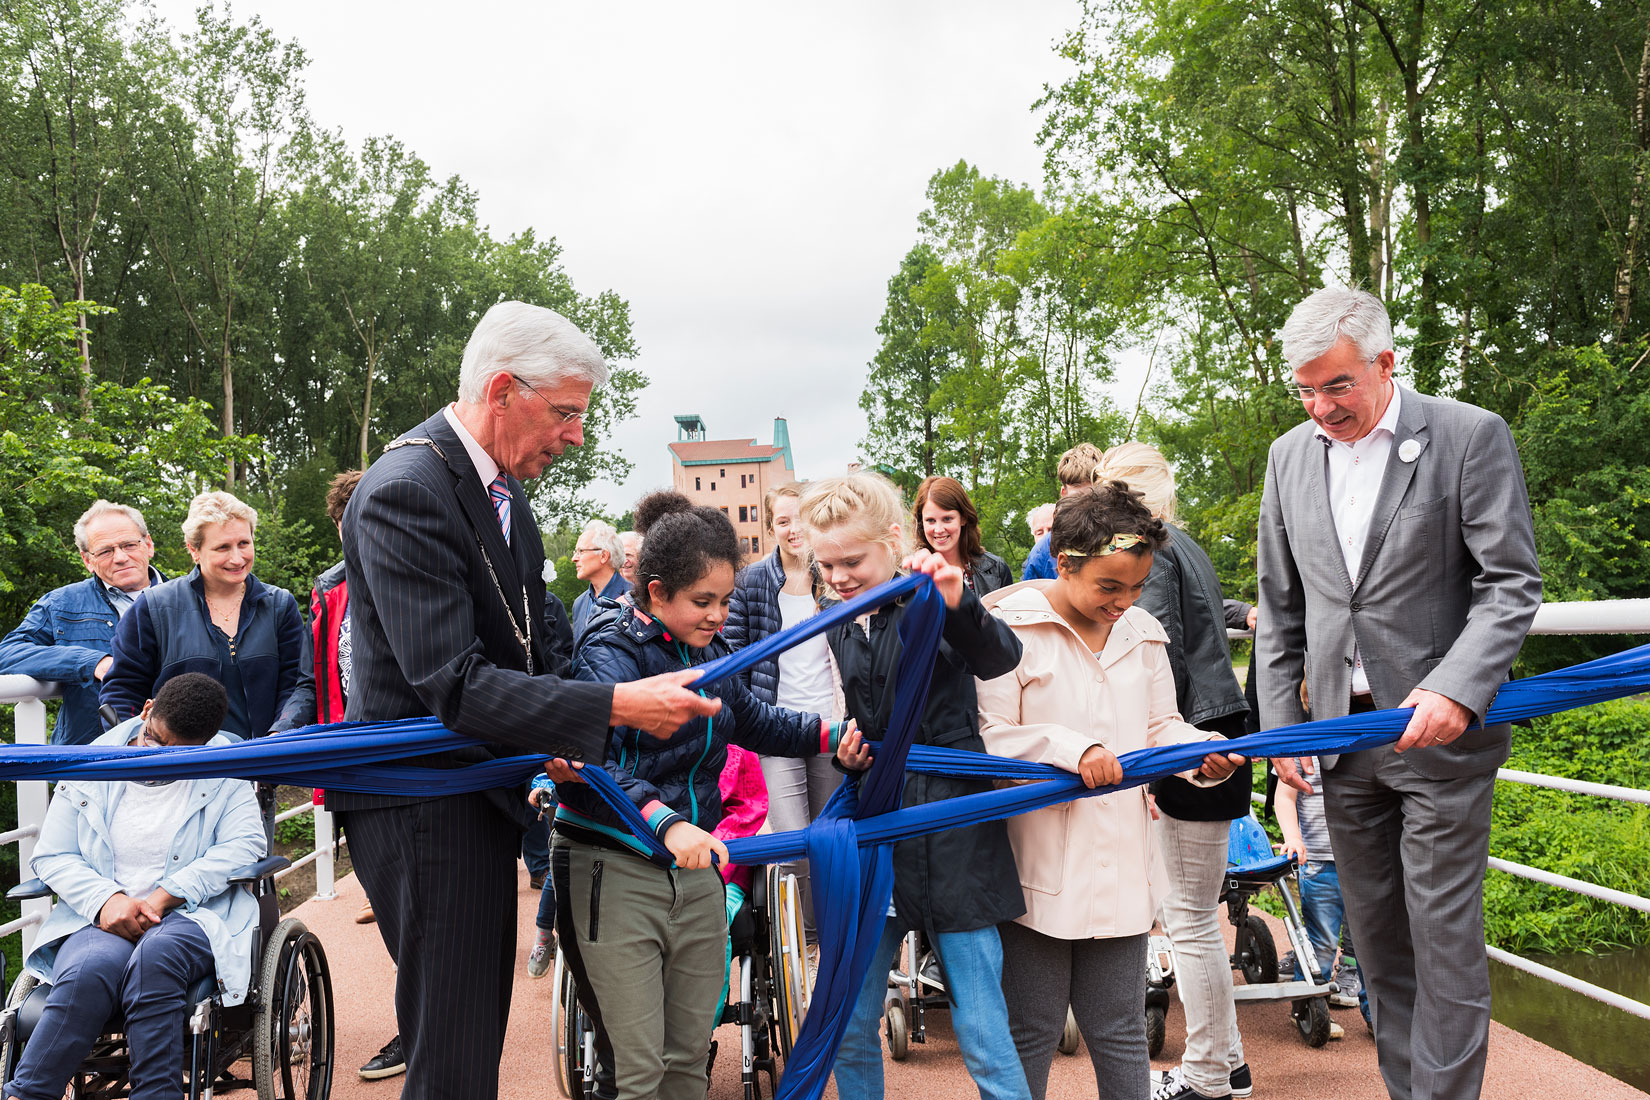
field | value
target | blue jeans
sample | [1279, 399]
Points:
[1325, 915]
[973, 964]
[97, 972]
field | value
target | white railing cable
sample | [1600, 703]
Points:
[1575, 786]
[1574, 885]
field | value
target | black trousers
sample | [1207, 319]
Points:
[442, 878]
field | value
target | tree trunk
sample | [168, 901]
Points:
[228, 404]
[1428, 355]
[366, 415]
[1623, 312]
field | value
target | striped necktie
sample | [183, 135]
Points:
[499, 490]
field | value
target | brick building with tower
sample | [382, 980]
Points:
[733, 475]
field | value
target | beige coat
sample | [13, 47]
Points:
[1090, 867]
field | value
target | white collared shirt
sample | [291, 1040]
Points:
[486, 468]
[1354, 472]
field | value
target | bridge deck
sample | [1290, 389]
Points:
[1283, 1067]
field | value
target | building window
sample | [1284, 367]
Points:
[722, 473]
[713, 489]
[742, 517]
[713, 485]
[742, 478]
[697, 484]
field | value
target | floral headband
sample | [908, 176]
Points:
[1121, 541]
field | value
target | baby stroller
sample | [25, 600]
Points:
[1251, 868]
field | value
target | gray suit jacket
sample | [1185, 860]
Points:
[1447, 588]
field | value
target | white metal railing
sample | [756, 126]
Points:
[1580, 617]
[29, 719]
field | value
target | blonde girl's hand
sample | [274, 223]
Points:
[1099, 767]
[852, 751]
[1219, 765]
[693, 847]
[1293, 848]
[947, 577]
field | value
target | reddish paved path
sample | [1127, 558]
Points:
[1284, 1068]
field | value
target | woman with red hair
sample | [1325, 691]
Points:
[948, 524]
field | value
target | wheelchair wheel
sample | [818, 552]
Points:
[1157, 1029]
[20, 989]
[899, 1032]
[1069, 1037]
[292, 1026]
[1312, 1018]
[564, 1031]
[1257, 952]
[788, 958]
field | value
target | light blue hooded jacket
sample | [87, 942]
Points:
[225, 832]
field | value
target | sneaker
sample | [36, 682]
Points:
[1350, 982]
[535, 882]
[542, 955]
[386, 1063]
[1242, 1085]
[1174, 1087]
[1336, 1031]
[1286, 967]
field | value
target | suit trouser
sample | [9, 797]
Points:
[1412, 854]
[442, 878]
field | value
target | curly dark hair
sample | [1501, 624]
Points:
[1086, 521]
[681, 541]
[192, 705]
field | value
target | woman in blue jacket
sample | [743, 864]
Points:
[645, 937]
[219, 620]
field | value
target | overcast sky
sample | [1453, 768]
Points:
[747, 175]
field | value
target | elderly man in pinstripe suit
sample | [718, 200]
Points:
[445, 567]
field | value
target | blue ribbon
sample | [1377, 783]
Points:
[849, 847]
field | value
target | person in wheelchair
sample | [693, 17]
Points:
[141, 871]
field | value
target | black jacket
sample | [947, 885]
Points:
[961, 879]
[675, 778]
[429, 631]
[990, 573]
[1183, 593]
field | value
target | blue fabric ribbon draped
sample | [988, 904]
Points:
[849, 847]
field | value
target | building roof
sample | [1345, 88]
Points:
[711, 451]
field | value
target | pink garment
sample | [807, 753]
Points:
[744, 807]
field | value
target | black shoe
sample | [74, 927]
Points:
[1242, 1085]
[1174, 1087]
[386, 1063]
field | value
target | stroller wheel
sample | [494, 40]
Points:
[1312, 1017]
[1257, 952]
[1069, 1037]
[1157, 1030]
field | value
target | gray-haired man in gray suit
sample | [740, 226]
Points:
[1398, 569]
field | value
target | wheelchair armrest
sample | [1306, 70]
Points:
[27, 891]
[261, 869]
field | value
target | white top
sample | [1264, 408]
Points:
[486, 468]
[145, 822]
[805, 669]
[1354, 472]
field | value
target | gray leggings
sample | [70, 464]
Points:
[1104, 982]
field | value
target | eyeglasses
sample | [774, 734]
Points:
[568, 416]
[577, 550]
[1334, 389]
[128, 548]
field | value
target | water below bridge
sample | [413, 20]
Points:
[1612, 1040]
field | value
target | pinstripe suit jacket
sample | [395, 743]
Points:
[1446, 590]
[429, 630]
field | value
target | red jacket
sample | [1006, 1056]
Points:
[327, 605]
[744, 806]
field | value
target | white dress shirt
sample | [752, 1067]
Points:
[1354, 472]
[486, 468]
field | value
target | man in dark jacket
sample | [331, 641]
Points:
[445, 571]
[68, 634]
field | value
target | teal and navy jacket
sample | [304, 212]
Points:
[675, 779]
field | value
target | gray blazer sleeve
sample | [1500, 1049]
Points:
[1280, 626]
[1506, 591]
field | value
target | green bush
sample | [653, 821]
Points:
[1593, 839]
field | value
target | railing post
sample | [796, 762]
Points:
[324, 852]
[32, 796]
